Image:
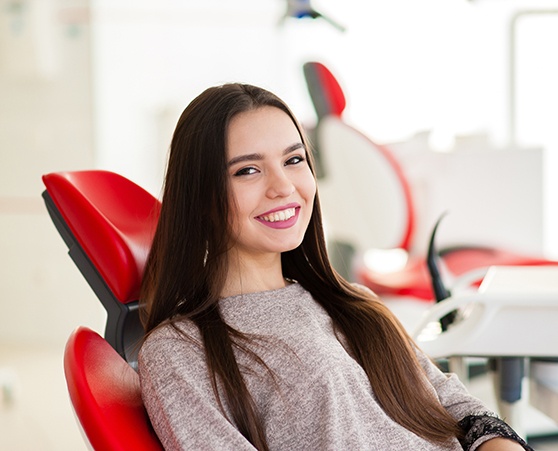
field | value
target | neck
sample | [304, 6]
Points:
[254, 275]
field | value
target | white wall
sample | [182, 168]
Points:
[152, 58]
[537, 104]
[45, 125]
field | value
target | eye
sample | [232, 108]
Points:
[245, 171]
[295, 160]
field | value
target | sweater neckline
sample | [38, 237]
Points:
[293, 285]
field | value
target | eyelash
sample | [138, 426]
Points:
[246, 171]
[300, 159]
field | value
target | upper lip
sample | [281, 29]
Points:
[281, 208]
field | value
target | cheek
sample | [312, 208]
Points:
[233, 219]
[241, 205]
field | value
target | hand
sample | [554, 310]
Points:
[500, 444]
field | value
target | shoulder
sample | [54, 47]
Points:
[179, 337]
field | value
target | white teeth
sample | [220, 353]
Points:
[282, 215]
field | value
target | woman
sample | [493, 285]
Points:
[253, 340]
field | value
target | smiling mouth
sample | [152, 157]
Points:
[278, 216]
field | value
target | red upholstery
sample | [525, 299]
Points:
[115, 235]
[326, 93]
[467, 259]
[105, 393]
[414, 279]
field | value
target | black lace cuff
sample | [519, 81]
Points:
[477, 426]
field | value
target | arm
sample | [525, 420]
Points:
[500, 444]
[487, 432]
[483, 429]
[179, 398]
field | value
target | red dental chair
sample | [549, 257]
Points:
[108, 223]
[377, 211]
[105, 393]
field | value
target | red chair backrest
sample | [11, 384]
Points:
[365, 196]
[106, 396]
[366, 199]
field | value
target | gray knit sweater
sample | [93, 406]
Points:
[319, 399]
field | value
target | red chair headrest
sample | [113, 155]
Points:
[325, 91]
[113, 220]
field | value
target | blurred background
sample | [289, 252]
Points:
[101, 83]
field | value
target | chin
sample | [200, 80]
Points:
[291, 247]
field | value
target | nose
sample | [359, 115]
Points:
[279, 184]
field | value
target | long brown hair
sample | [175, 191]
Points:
[186, 269]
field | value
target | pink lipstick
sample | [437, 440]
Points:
[280, 218]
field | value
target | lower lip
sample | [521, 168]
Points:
[281, 224]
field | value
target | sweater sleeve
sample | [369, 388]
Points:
[480, 428]
[179, 398]
[477, 422]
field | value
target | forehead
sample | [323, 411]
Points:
[263, 129]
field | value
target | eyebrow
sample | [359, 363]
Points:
[259, 156]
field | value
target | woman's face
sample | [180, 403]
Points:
[271, 186]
